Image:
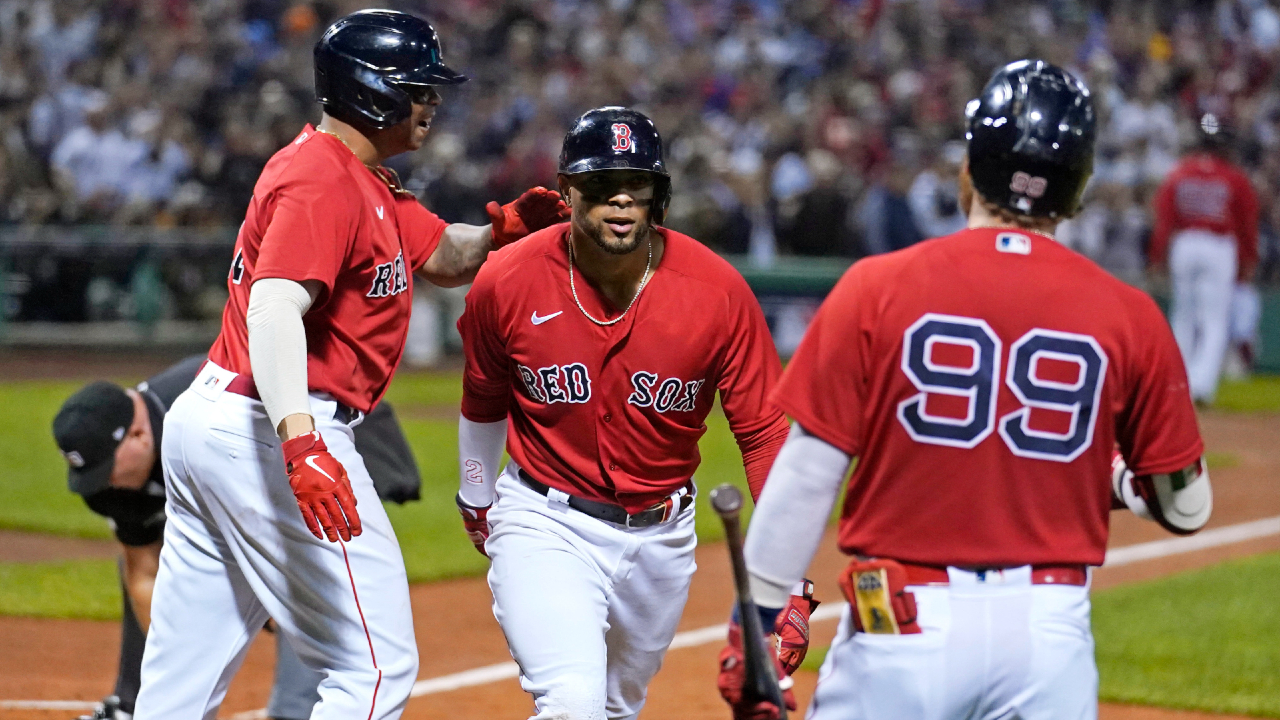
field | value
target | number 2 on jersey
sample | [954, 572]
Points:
[976, 383]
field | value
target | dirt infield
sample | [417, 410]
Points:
[75, 660]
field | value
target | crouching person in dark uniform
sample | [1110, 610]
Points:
[110, 437]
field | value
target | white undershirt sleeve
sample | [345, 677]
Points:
[480, 448]
[278, 346]
[791, 515]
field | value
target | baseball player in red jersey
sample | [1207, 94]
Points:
[263, 475]
[594, 349]
[1206, 234]
[982, 380]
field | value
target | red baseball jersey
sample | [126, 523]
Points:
[983, 380]
[318, 213]
[614, 413]
[1206, 192]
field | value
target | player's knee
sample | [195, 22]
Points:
[399, 675]
[573, 697]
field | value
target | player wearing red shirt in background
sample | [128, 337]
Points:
[595, 349]
[982, 380]
[258, 454]
[1206, 235]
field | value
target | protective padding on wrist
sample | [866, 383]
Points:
[1180, 501]
[877, 595]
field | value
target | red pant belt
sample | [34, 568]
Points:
[244, 385]
[1040, 574]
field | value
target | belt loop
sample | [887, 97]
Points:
[555, 496]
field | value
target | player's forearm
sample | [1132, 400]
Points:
[462, 250]
[480, 448]
[759, 452]
[791, 515]
[141, 564]
[278, 352]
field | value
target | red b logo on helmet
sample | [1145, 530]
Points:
[622, 141]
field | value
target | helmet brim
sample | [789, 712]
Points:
[618, 162]
[428, 75]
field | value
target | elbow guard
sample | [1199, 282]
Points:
[1181, 501]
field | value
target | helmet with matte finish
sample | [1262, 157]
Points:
[1031, 134]
[367, 62]
[618, 138]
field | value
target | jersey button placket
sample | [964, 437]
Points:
[608, 417]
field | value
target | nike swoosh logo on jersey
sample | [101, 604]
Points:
[379, 212]
[539, 320]
[311, 460]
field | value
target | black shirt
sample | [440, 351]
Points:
[137, 516]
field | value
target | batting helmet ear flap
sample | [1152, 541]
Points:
[661, 199]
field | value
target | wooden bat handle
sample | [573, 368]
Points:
[761, 681]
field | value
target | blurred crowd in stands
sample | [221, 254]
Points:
[793, 127]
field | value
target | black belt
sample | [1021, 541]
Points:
[656, 515]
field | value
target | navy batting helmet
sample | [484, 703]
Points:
[367, 62]
[1031, 134]
[618, 138]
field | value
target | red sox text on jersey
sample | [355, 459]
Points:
[615, 413]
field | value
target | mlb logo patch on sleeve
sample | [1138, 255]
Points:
[1016, 243]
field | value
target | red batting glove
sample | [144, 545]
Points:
[476, 522]
[733, 676]
[534, 210]
[321, 486]
[792, 627]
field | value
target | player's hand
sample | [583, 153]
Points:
[476, 522]
[321, 486]
[733, 676]
[792, 627]
[534, 210]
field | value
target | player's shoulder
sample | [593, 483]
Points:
[690, 259]
[309, 161]
[506, 261]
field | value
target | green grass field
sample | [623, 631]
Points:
[1202, 640]
[34, 495]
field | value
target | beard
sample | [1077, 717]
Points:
[619, 246]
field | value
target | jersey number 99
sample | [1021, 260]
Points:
[977, 385]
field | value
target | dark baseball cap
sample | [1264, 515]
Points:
[88, 429]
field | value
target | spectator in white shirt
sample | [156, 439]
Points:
[95, 161]
[934, 194]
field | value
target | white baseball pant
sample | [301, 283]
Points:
[588, 607]
[992, 647]
[1202, 268]
[236, 551]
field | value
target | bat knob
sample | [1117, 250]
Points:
[726, 500]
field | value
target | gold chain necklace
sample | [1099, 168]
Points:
[374, 168]
[644, 280]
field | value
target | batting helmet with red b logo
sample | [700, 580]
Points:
[618, 138]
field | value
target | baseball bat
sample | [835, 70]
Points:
[761, 681]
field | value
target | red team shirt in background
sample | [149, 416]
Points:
[983, 379]
[614, 413]
[318, 213]
[1207, 193]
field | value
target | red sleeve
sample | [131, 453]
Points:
[420, 230]
[823, 386]
[1164, 212]
[486, 378]
[1157, 428]
[1246, 215]
[310, 233]
[749, 370]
